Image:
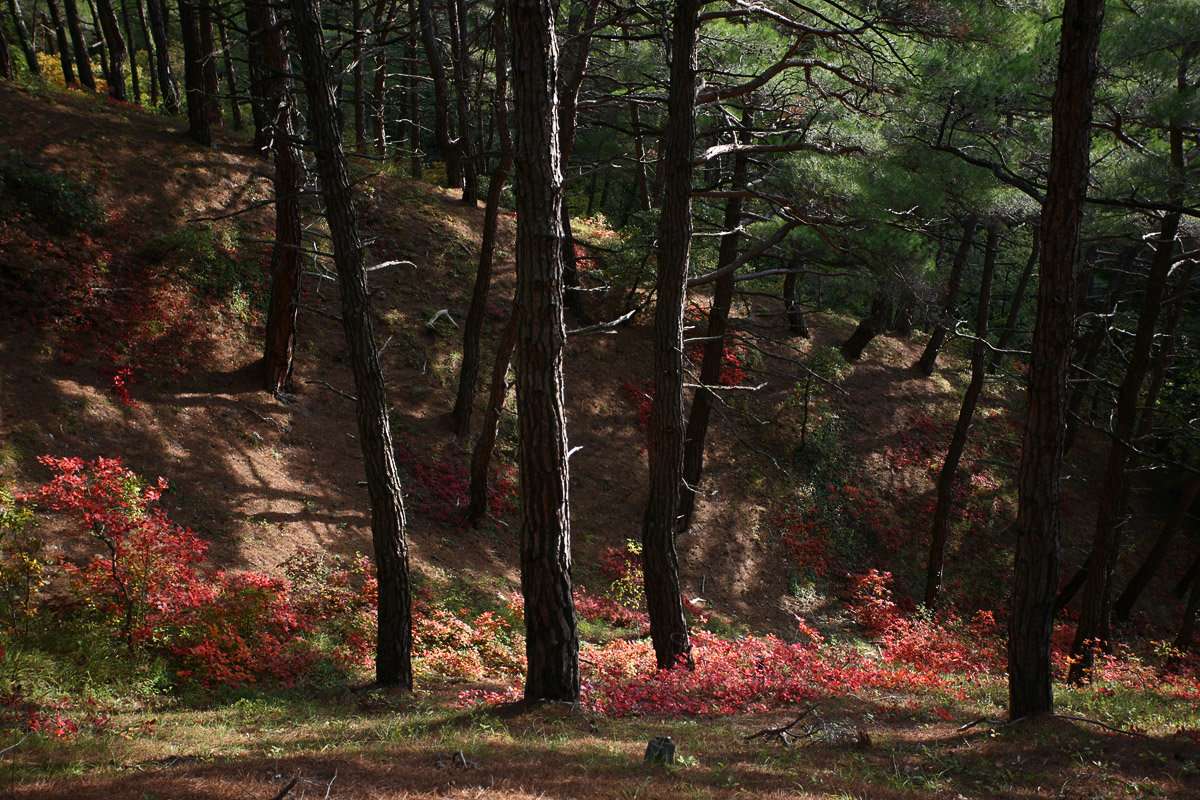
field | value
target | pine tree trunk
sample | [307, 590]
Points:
[928, 361]
[1014, 310]
[6, 67]
[157, 11]
[1040, 475]
[23, 39]
[791, 302]
[461, 75]
[193, 74]
[481, 456]
[696, 431]
[235, 102]
[134, 76]
[393, 658]
[1095, 619]
[441, 96]
[552, 643]
[473, 326]
[958, 441]
[665, 430]
[874, 324]
[118, 54]
[79, 45]
[60, 37]
[277, 93]
[151, 54]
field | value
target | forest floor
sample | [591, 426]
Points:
[173, 387]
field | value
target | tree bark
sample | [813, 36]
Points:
[461, 75]
[958, 441]
[551, 643]
[6, 66]
[473, 326]
[791, 302]
[235, 103]
[928, 361]
[118, 54]
[134, 75]
[23, 39]
[1040, 475]
[696, 431]
[193, 74]
[393, 657]
[151, 54]
[665, 430]
[157, 11]
[278, 96]
[208, 63]
[481, 456]
[60, 38]
[79, 45]
[441, 96]
[874, 324]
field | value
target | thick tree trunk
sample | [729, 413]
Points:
[6, 67]
[958, 441]
[157, 10]
[193, 74]
[278, 97]
[23, 39]
[118, 53]
[1095, 619]
[208, 63]
[393, 658]
[473, 326]
[665, 430]
[1040, 475]
[1014, 310]
[874, 324]
[928, 361]
[551, 643]
[1183, 641]
[79, 45]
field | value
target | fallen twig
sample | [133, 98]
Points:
[781, 732]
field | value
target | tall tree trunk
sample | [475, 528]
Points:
[1014, 310]
[1039, 478]
[958, 441]
[393, 658]
[481, 455]
[6, 66]
[359, 100]
[473, 326]
[208, 63]
[441, 97]
[278, 96]
[1091, 343]
[151, 55]
[118, 53]
[100, 44]
[383, 31]
[134, 76]
[1158, 551]
[928, 361]
[79, 45]
[1094, 630]
[23, 39]
[551, 643]
[665, 430]
[415, 163]
[639, 154]
[791, 301]
[157, 10]
[461, 72]
[193, 74]
[871, 326]
[60, 38]
[696, 431]
[235, 102]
